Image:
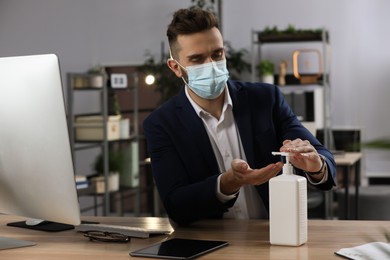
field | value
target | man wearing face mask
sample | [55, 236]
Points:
[211, 144]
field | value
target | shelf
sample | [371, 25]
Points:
[79, 82]
[310, 100]
[101, 88]
[287, 89]
[86, 145]
[82, 144]
[88, 89]
[121, 89]
[288, 38]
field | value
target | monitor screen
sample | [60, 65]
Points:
[36, 167]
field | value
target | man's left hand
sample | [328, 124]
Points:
[304, 155]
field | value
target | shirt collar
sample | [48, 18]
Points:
[200, 111]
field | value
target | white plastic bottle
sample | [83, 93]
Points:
[288, 207]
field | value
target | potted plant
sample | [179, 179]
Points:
[381, 143]
[96, 78]
[290, 33]
[166, 83]
[236, 63]
[266, 71]
[115, 159]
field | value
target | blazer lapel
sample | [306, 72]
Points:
[242, 115]
[195, 131]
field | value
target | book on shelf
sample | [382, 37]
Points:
[81, 182]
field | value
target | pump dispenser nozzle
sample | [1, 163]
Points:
[287, 167]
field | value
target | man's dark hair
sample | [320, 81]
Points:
[189, 21]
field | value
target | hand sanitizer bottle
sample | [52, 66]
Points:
[288, 207]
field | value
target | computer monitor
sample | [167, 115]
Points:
[36, 167]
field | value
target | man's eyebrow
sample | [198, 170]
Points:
[218, 50]
[194, 56]
[197, 56]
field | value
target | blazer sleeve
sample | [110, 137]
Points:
[291, 128]
[183, 166]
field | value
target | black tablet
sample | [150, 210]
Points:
[178, 248]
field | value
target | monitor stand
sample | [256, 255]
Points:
[41, 225]
[9, 243]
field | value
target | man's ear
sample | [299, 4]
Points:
[174, 66]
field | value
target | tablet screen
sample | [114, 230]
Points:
[178, 248]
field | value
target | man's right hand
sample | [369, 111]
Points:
[240, 173]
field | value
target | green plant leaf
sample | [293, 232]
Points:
[265, 67]
[382, 143]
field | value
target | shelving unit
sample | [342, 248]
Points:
[74, 87]
[316, 95]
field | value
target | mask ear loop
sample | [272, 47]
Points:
[170, 54]
[171, 58]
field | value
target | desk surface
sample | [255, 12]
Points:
[247, 239]
[347, 159]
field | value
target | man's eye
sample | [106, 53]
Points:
[218, 56]
[197, 60]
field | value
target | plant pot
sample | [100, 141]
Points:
[96, 81]
[267, 79]
[113, 183]
[98, 184]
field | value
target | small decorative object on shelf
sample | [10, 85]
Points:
[81, 182]
[307, 65]
[266, 71]
[124, 123]
[282, 73]
[80, 81]
[118, 80]
[90, 128]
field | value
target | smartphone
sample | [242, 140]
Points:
[179, 248]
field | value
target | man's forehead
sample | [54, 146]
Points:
[199, 43]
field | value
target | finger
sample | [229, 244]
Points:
[297, 146]
[271, 170]
[303, 149]
[239, 165]
[296, 141]
[264, 174]
[311, 156]
[300, 143]
[271, 167]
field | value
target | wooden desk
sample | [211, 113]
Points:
[247, 239]
[347, 162]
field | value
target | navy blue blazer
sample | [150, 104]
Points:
[184, 166]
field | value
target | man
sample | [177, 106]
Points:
[211, 145]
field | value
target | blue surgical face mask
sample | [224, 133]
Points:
[207, 80]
